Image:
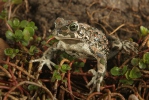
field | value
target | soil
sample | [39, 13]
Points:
[105, 14]
[119, 17]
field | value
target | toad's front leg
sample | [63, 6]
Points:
[99, 75]
[46, 58]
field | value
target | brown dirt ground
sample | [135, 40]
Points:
[108, 14]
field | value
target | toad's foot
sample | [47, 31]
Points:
[95, 81]
[43, 61]
[97, 77]
[129, 46]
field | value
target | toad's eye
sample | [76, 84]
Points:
[73, 27]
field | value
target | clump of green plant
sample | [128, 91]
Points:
[77, 64]
[137, 63]
[144, 31]
[3, 14]
[21, 32]
[134, 72]
[11, 52]
[58, 71]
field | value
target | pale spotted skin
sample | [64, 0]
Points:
[86, 41]
[83, 41]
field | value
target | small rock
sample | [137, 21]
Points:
[133, 97]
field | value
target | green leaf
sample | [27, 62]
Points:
[56, 76]
[146, 58]
[81, 64]
[30, 30]
[11, 52]
[56, 66]
[65, 68]
[9, 35]
[32, 87]
[50, 36]
[25, 43]
[16, 1]
[53, 79]
[16, 22]
[127, 74]
[26, 35]
[135, 61]
[77, 70]
[15, 51]
[144, 31]
[33, 50]
[3, 14]
[115, 71]
[8, 51]
[64, 80]
[32, 24]
[27, 38]
[123, 70]
[126, 81]
[78, 64]
[18, 35]
[23, 23]
[142, 65]
[10, 23]
[38, 39]
[135, 73]
[5, 66]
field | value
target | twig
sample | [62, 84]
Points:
[50, 39]
[117, 94]
[26, 6]
[10, 96]
[6, 72]
[30, 68]
[44, 30]
[108, 97]
[19, 68]
[56, 82]
[15, 9]
[144, 42]
[28, 82]
[8, 26]
[10, 7]
[133, 89]
[117, 29]
[92, 94]
[69, 92]
[14, 80]
[69, 84]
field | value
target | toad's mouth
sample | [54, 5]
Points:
[65, 38]
[68, 40]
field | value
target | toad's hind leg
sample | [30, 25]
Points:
[99, 75]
